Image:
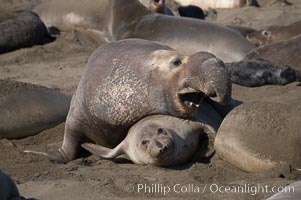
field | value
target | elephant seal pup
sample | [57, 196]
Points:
[160, 140]
[128, 80]
[26, 109]
[205, 4]
[158, 6]
[281, 53]
[118, 19]
[8, 189]
[257, 136]
[274, 34]
[25, 30]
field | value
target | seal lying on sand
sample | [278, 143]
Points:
[8, 189]
[274, 34]
[118, 19]
[26, 109]
[257, 136]
[205, 4]
[281, 53]
[25, 30]
[160, 140]
[128, 80]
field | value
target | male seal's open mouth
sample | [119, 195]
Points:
[191, 98]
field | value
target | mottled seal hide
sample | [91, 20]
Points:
[161, 140]
[205, 4]
[258, 72]
[274, 34]
[128, 80]
[25, 30]
[114, 20]
[258, 136]
[26, 109]
[281, 53]
[8, 189]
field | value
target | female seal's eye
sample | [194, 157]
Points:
[176, 62]
[266, 33]
[160, 130]
[144, 142]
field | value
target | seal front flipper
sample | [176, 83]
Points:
[55, 155]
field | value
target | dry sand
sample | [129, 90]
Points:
[59, 65]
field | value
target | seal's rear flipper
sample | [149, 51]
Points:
[56, 155]
[103, 151]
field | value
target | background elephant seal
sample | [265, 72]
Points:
[114, 20]
[158, 6]
[128, 80]
[25, 30]
[191, 11]
[160, 140]
[8, 189]
[205, 4]
[257, 136]
[274, 34]
[281, 53]
[26, 109]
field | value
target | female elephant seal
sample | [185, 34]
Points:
[8, 189]
[128, 80]
[160, 140]
[257, 136]
[274, 34]
[26, 109]
[205, 4]
[114, 20]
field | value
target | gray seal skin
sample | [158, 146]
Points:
[27, 109]
[290, 192]
[258, 136]
[118, 19]
[8, 189]
[281, 53]
[273, 34]
[128, 80]
[25, 30]
[160, 140]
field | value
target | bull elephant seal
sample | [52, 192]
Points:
[114, 20]
[8, 189]
[205, 4]
[258, 136]
[160, 140]
[26, 109]
[128, 80]
[281, 53]
[25, 30]
[274, 34]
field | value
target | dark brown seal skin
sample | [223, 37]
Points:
[128, 80]
[114, 20]
[8, 189]
[281, 53]
[25, 30]
[274, 34]
[27, 109]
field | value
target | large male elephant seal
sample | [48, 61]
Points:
[128, 80]
[273, 34]
[25, 30]
[286, 52]
[205, 4]
[258, 136]
[161, 140]
[8, 189]
[118, 19]
[26, 109]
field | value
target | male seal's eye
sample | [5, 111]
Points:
[144, 142]
[176, 62]
[266, 33]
